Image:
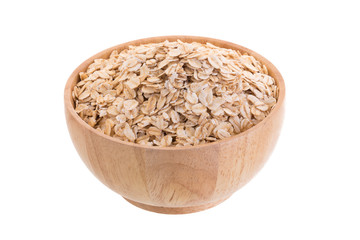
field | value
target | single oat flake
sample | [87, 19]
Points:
[174, 94]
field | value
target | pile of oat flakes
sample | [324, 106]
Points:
[174, 93]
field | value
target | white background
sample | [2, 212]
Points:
[309, 189]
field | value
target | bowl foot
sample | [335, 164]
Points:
[175, 210]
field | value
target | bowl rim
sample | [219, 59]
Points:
[185, 38]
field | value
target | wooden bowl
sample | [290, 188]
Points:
[175, 179]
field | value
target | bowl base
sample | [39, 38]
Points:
[175, 210]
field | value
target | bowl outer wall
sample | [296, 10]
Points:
[173, 176]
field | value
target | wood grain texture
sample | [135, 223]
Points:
[173, 179]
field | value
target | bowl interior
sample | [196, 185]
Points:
[74, 78]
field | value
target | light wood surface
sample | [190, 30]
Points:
[175, 180]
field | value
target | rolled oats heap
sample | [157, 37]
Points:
[174, 93]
